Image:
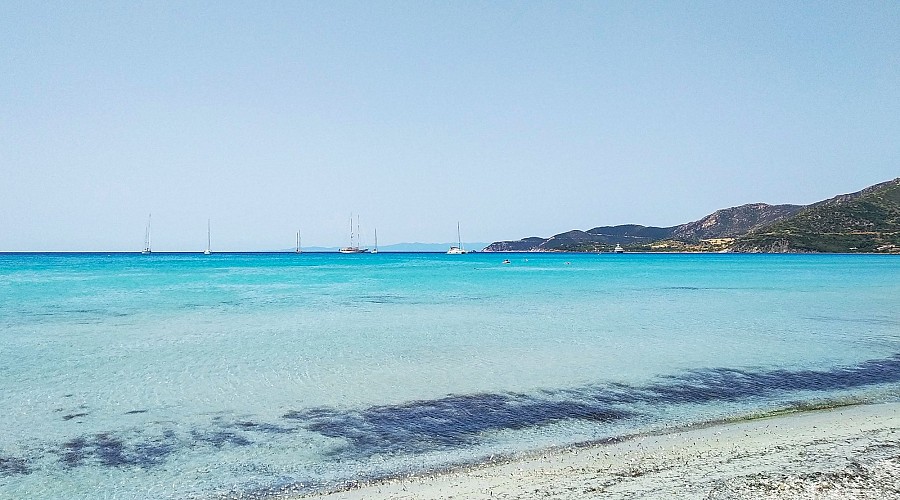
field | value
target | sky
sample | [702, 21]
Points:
[514, 119]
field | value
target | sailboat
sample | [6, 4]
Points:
[457, 250]
[147, 249]
[353, 248]
[207, 251]
[298, 242]
[375, 250]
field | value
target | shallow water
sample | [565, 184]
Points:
[175, 375]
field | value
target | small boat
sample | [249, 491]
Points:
[506, 261]
[354, 248]
[207, 251]
[458, 249]
[375, 250]
[147, 248]
[619, 249]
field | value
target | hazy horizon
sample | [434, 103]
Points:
[512, 120]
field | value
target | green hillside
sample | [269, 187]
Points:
[867, 221]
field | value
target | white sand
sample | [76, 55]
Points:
[848, 452]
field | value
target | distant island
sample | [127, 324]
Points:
[867, 221]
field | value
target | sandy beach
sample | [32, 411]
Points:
[845, 452]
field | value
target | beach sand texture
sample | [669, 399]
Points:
[841, 453]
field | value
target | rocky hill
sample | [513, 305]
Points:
[524, 245]
[865, 221]
[733, 222]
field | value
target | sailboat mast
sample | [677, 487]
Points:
[147, 235]
[207, 236]
[458, 237]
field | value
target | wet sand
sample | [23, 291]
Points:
[846, 452]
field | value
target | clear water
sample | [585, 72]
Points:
[183, 376]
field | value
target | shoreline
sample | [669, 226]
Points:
[834, 452]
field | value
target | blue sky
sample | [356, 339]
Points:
[513, 118]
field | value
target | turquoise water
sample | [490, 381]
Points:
[191, 376]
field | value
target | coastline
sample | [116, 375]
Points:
[839, 452]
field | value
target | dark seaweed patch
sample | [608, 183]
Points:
[219, 438]
[460, 420]
[73, 415]
[13, 466]
[450, 422]
[155, 451]
[111, 451]
[73, 452]
[732, 384]
[263, 427]
[135, 412]
[310, 413]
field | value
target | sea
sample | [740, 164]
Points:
[262, 375]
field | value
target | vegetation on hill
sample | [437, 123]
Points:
[866, 221]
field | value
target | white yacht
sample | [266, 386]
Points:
[619, 249]
[354, 248]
